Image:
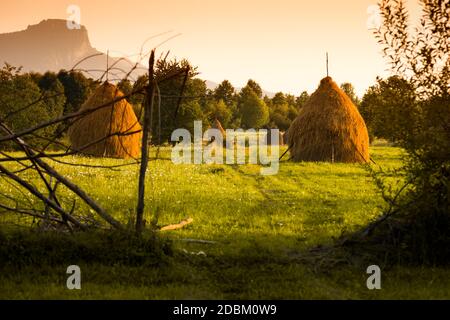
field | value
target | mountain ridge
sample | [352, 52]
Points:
[51, 46]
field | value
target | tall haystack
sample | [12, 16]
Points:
[116, 122]
[329, 128]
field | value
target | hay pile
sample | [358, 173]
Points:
[281, 136]
[329, 128]
[117, 121]
[217, 125]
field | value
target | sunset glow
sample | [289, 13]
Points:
[280, 44]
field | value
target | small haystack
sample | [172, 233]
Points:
[329, 128]
[218, 125]
[280, 138]
[117, 121]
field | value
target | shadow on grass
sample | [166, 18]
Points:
[248, 266]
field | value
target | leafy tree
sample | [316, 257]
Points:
[22, 106]
[220, 111]
[279, 111]
[416, 227]
[301, 100]
[77, 89]
[191, 111]
[268, 102]
[137, 100]
[290, 99]
[193, 102]
[52, 92]
[280, 121]
[225, 92]
[390, 109]
[252, 84]
[349, 90]
[254, 112]
[282, 109]
[292, 112]
[279, 99]
[125, 86]
[196, 89]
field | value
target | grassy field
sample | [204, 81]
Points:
[262, 228]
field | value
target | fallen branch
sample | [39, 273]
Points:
[32, 213]
[197, 241]
[43, 198]
[177, 226]
[66, 182]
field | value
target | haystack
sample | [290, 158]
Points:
[269, 141]
[329, 128]
[116, 122]
[217, 125]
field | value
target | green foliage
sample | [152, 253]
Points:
[279, 99]
[252, 84]
[189, 112]
[301, 100]
[390, 109]
[292, 112]
[24, 105]
[280, 121]
[77, 89]
[53, 94]
[136, 100]
[125, 86]
[253, 110]
[282, 109]
[226, 92]
[418, 230]
[263, 226]
[220, 111]
[191, 108]
[279, 116]
[348, 88]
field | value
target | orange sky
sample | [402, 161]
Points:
[281, 44]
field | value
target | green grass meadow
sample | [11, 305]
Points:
[262, 229]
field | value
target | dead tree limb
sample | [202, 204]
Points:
[69, 184]
[40, 196]
[177, 226]
[31, 213]
[148, 111]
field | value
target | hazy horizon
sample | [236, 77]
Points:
[281, 45]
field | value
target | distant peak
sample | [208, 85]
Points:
[53, 24]
[51, 45]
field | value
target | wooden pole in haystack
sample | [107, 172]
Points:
[148, 111]
[107, 66]
[332, 141]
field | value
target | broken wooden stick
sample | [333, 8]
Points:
[177, 226]
[197, 241]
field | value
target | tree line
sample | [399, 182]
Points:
[386, 107]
